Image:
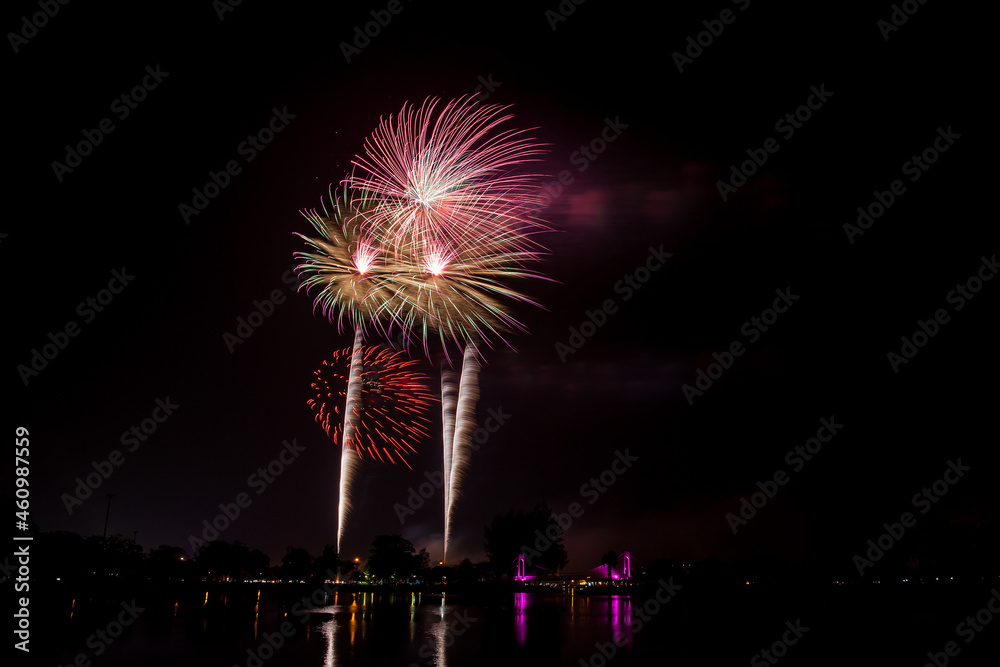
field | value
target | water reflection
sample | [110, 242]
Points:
[521, 602]
[441, 635]
[620, 612]
[354, 621]
[431, 630]
[329, 630]
[256, 615]
[344, 633]
[414, 601]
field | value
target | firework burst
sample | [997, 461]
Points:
[386, 396]
[345, 263]
[433, 223]
[453, 213]
[455, 216]
[453, 294]
[384, 399]
[445, 181]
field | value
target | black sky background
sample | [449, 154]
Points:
[655, 185]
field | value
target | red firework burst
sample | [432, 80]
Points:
[394, 399]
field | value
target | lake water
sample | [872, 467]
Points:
[253, 627]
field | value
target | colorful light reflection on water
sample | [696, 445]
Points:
[426, 629]
[521, 603]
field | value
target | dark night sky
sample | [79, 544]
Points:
[655, 185]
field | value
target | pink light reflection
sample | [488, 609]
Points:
[620, 610]
[521, 603]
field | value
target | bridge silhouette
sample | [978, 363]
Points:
[621, 570]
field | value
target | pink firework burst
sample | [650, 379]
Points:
[445, 181]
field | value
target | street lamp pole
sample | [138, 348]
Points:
[107, 514]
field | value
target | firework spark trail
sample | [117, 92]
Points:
[349, 462]
[449, 396]
[465, 426]
[383, 399]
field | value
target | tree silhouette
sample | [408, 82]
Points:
[167, 563]
[296, 564]
[423, 561]
[328, 564]
[466, 571]
[68, 556]
[257, 564]
[121, 557]
[609, 560]
[218, 560]
[393, 559]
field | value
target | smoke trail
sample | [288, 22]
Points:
[465, 425]
[449, 396]
[349, 460]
